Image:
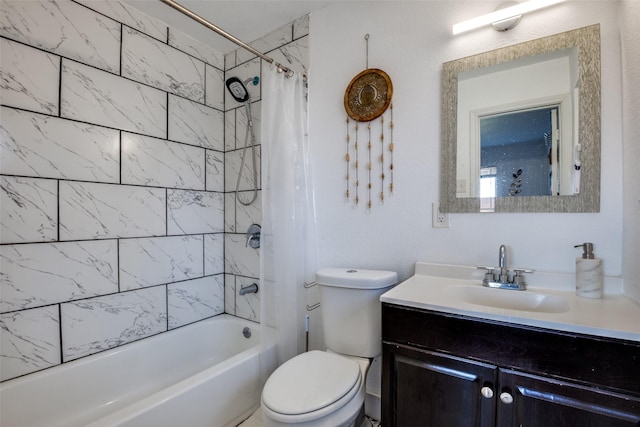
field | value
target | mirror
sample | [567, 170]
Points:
[521, 127]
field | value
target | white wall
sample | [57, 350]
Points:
[629, 17]
[410, 41]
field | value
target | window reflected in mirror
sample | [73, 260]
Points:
[519, 153]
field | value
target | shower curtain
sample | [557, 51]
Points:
[288, 254]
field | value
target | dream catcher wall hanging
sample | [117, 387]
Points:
[369, 142]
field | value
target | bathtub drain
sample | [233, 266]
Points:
[246, 332]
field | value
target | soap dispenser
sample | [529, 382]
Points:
[589, 280]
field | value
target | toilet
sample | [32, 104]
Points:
[327, 388]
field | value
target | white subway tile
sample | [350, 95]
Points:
[195, 124]
[215, 171]
[242, 123]
[230, 212]
[247, 305]
[232, 164]
[190, 212]
[49, 147]
[230, 60]
[248, 214]
[65, 28]
[156, 162]
[45, 273]
[29, 341]
[130, 16]
[101, 323]
[99, 211]
[29, 78]
[215, 88]
[301, 27]
[196, 48]
[239, 258]
[267, 43]
[230, 130]
[195, 300]
[230, 294]
[95, 96]
[213, 254]
[159, 260]
[293, 55]
[28, 210]
[157, 64]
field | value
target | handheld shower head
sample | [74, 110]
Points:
[237, 89]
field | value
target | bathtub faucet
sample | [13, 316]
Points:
[251, 289]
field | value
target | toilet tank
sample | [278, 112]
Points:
[351, 309]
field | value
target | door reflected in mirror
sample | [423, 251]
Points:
[518, 115]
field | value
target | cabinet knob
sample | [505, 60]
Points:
[506, 398]
[486, 392]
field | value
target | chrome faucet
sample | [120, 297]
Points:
[251, 289]
[501, 277]
[502, 263]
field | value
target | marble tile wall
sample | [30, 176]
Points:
[119, 153]
[288, 45]
[112, 180]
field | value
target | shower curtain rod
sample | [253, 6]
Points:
[226, 35]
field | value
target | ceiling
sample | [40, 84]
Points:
[247, 20]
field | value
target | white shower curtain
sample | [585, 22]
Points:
[288, 255]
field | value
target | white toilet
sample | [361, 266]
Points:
[327, 388]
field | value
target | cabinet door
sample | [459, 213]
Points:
[544, 402]
[423, 388]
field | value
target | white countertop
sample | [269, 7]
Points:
[611, 316]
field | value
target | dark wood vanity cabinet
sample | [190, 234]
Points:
[444, 370]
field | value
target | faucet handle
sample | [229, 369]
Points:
[489, 272]
[518, 279]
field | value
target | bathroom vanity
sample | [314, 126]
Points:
[454, 360]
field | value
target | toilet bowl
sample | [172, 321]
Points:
[316, 389]
[327, 388]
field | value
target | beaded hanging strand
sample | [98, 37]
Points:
[355, 149]
[369, 167]
[391, 151]
[382, 160]
[346, 158]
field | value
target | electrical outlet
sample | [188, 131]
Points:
[439, 219]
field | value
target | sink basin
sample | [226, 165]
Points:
[508, 299]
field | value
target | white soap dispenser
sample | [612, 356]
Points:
[589, 280]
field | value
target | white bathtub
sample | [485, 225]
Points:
[204, 374]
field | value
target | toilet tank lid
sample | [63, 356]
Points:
[356, 278]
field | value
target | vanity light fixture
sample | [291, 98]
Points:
[503, 19]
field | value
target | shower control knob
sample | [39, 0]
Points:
[506, 398]
[486, 392]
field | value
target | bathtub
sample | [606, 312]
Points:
[203, 374]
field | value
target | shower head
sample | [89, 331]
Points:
[237, 89]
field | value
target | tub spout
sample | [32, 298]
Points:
[251, 289]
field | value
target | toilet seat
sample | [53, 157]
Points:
[311, 385]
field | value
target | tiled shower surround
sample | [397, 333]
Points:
[118, 164]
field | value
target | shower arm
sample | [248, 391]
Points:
[226, 35]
